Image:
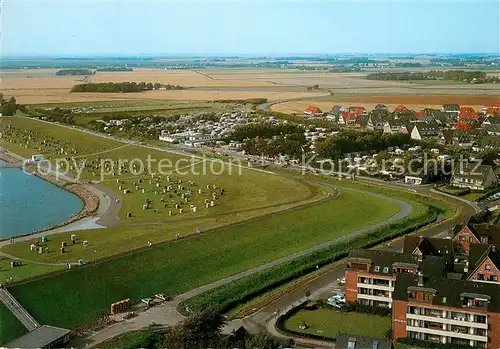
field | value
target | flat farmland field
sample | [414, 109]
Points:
[40, 86]
[369, 102]
[187, 78]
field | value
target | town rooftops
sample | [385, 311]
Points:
[41, 337]
[336, 109]
[383, 262]
[451, 107]
[479, 252]
[449, 292]
[429, 246]
[313, 110]
[472, 170]
[468, 113]
[426, 129]
[400, 108]
[351, 341]
[380, 107]
[486, 233]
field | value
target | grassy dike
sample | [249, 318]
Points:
[237, 293]
[76, 296]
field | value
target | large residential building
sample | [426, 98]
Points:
[473, 176]
[446, 311]
[371, 274]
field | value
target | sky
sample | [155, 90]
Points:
[100, 28]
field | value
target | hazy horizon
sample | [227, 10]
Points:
[85, 29]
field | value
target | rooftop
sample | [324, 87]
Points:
[39, 338]
[449, 292]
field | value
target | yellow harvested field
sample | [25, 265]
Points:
[391, 101]
[37, 86]
[188, 78]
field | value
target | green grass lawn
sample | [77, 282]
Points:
[328, 323]
[181, 265]
[244, 189]
[473, 196]
[10, 327]
[26, 270]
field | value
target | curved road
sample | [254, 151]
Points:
[264, 319]
[166, 314]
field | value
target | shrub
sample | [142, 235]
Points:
[366, 309]
[425, 344]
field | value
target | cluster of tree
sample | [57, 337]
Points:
[298, 119]
[9, 106]
[290, 145]
[408, 64]
[313, 87]
[64, 116]
[115, 68]
[254, 101]
[452, 75]
[75, 72]
[204, 330]
[334, 147]
[125, 87]
[265, 130]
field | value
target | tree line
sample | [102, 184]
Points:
[126, 87]
[9, 106]
[452, 75]
[271, 140]
[75, 72]
[115, 69]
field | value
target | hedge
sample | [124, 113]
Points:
[425, 344]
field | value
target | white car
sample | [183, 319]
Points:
[341, 281]
[336, 301]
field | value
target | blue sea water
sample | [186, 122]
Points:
[28, 203]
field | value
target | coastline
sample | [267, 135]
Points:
[90, 201]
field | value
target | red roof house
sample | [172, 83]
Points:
[421, 113]
[400, 108]
[492, 111]
[463, 126]
[468, 113]
[313, 110]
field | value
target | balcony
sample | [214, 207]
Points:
[450, 334]
[375, 287]
[375, 298]
[447, 321]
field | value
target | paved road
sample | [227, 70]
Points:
[166, 314]
[265, 318]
